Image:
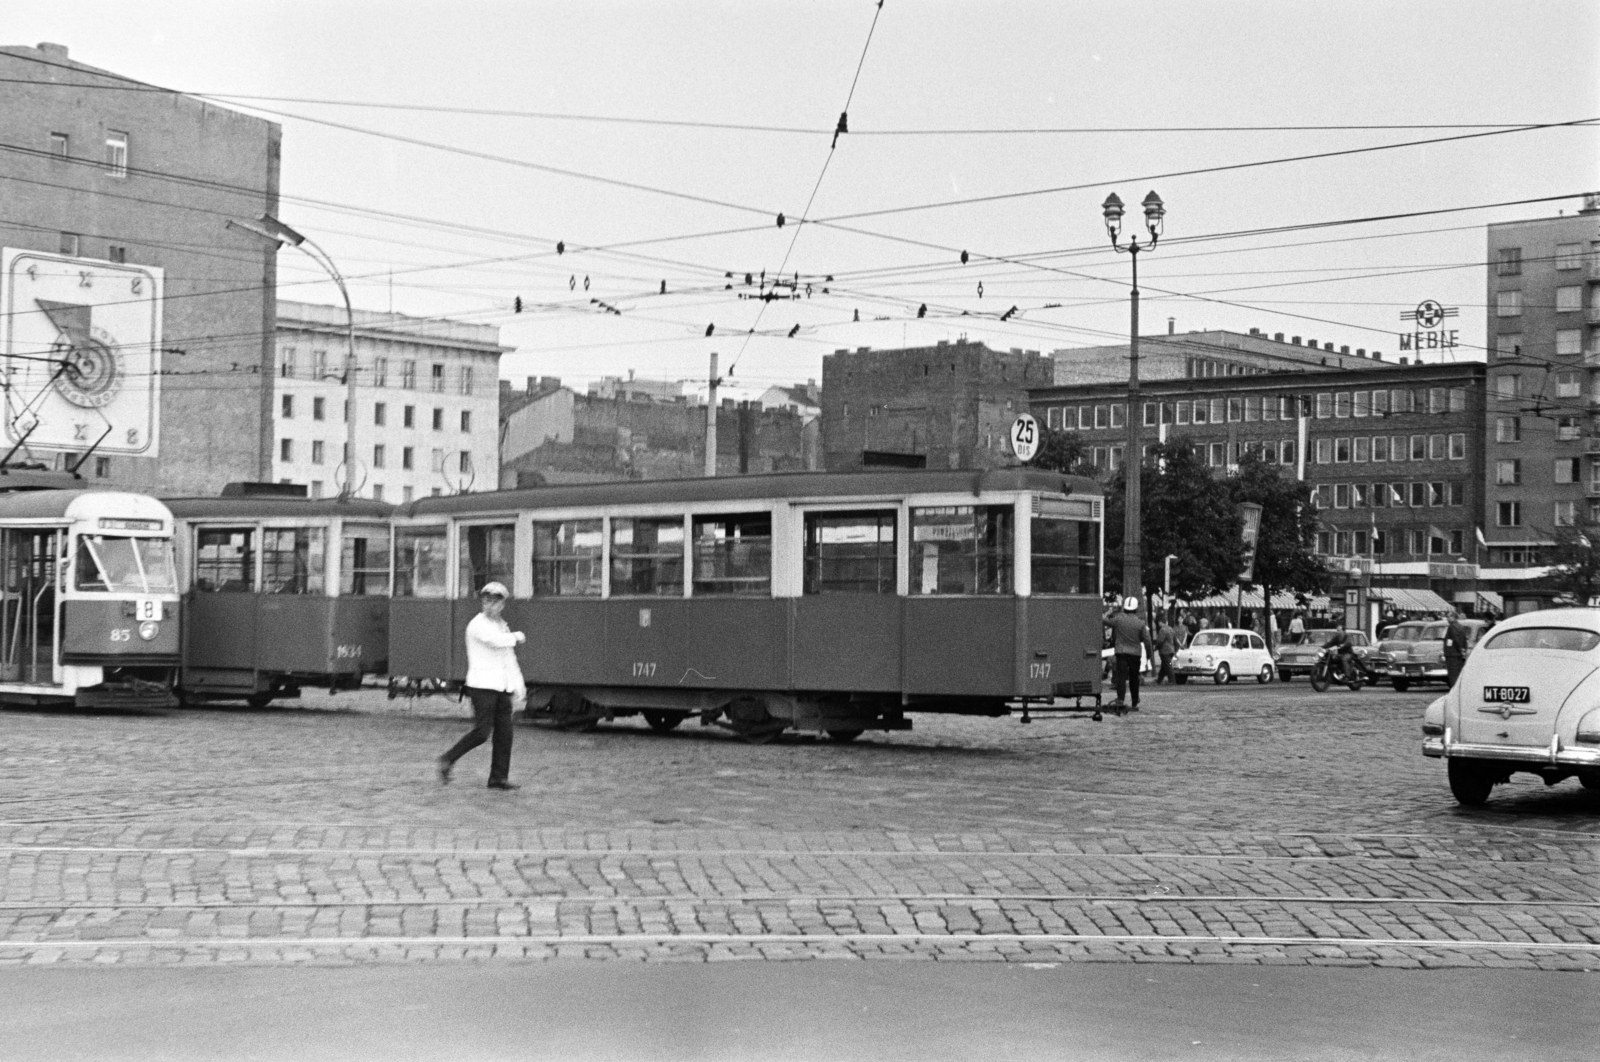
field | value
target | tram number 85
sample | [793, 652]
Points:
[122, 634]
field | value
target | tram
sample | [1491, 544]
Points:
[281, 592]
[88, 598]
[824, 602]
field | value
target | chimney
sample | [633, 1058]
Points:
[1329, 346]
[1278, 336]
[1405, 361]
[862, 350]
[1361, 352]
[1591, 202]
[1172, 325]
[1344, 349]
[1377, 355]
[630, 375]
[1255, 331]
[1296, 341]
[532, 382]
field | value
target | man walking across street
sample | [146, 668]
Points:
[1167, 647]
[1455, 647]
[1129, 636]
[493, 675]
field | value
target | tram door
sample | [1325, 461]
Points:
[29, 562]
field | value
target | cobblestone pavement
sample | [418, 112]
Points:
[1253, 824]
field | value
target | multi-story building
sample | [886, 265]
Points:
[116, 261]
[427, 403]
[1196, 355]
[1543, 328]
[1394, 457]
[946, 406]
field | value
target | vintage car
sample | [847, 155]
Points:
[1412, 653]
[1528, 699]
[1297, 658]
[1223, 654]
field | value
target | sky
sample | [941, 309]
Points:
[584, 157]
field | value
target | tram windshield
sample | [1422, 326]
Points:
[121, 565]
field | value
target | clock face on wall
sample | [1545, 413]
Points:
[80, 340]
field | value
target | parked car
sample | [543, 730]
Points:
[1528, 699]
[1223, 654]
[1298, 658]
[1412, 653]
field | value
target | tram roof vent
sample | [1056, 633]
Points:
[243, 489]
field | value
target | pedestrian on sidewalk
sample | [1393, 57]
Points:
[493, 677]
[1166, 647]
[1129, 636]
[1455, 647]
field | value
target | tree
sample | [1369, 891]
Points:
[1187, 512]
[1060, 451]
[1285, 548]
[1575, 561]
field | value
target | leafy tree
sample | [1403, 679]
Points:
[1285, 548]
[1060, 451]
[1188, 513]
[1575, 561]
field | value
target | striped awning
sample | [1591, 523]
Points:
[1408, 600]
[1284, 599]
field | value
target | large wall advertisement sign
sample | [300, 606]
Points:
[81, 344]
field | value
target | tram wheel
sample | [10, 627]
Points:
[570, 711]
[749, 718]
[661, 722]
[844, 737]
[259, 700]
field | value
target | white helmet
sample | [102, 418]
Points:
[1130, 604]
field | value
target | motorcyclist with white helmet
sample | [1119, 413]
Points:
[1129, 636]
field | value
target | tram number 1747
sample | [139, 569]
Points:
[642, 669]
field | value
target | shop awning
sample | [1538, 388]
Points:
[1284, 599]
[1405, 600]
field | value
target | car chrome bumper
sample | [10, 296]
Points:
[1556, 753]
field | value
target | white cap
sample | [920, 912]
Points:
[495, 589]
[1130, 604]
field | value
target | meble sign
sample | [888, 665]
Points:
[1427, 335]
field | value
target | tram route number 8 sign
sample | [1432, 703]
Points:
[1025, 437]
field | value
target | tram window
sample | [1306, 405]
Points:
[1066, 556]
[225, 560]
[293, 560]
[733, 554]
[961, 549]
[567, 558]
[119, 564]
[647, 557]
[421, 562]
[364, 561]
[850, 553]
[486, 556]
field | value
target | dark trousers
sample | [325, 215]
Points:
[1165, 674]
[491, 714]
[1452, 668]
[1126, 675]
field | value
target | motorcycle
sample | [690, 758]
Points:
[1327, 670]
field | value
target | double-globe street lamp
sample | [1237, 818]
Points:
[270, 228]
[1133, 456]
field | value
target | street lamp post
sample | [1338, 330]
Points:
[270, 228]
[1133, 457]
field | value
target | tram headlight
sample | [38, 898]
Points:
[149, 629]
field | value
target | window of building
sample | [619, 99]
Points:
[1269, 408]
[319, 408]
[1507, 429]
[1324, 406]
[1361, 404]
[1568, 429]
[116, 153]
[1397, 495]
[407, 456]
[1216, 454]
[1457, 491]
[1567, 469]
[286, 363]
[438, 378]
[378, 452]
[1569, 341]
[1052, 418]
[1324, 542]
[1252, 408]
[466, 379]
[1286, 452]
[1569, 256]
[1419, 542]
[1324, 451]
[1102, 417]
[1400, 401]
[1436, 448]
[1569, 299]
[1118, 415]
[1235, 409]
[117, 252]
[1435, 495]
[1341, 495]
[1508, 262]
[464, 462]
[380, 372]
[1380, 446]
[1508, 514]
[466, 420]
[59, 143]
[1360, 495]
[568, 558]
[1201, 407]
[1569, 385]
[1508, 304]
[438, 461]
[1341, 451]
[317, 450]
[1183, 412]
[1508, 472]
[286, 404]
[1115, 461]
[1508, 346]
[380, 413]
[1458, 446]
[102, 468]
[1380, 403]
[319, 364]
[408, 375]
[438, 419]
[1507, 385]
[1363, 450]
[68, 244]
[1419, 495]
[1438, 400]
[407, 493]
[1380, 495]
[1419, 448]
[1341, 405]
[1566, 513]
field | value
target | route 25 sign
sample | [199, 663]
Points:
[1025, 437]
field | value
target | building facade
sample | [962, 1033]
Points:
[427, 403]
[116, 259]
[1543, 324]
[946, 406]
[1198, 355]
[1394, 456]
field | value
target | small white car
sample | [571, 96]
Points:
[1528, 699]
[1223, 654]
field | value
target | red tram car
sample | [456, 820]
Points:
[280, 593]
[831, 602]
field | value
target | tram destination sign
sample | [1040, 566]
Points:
[1426, 332]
